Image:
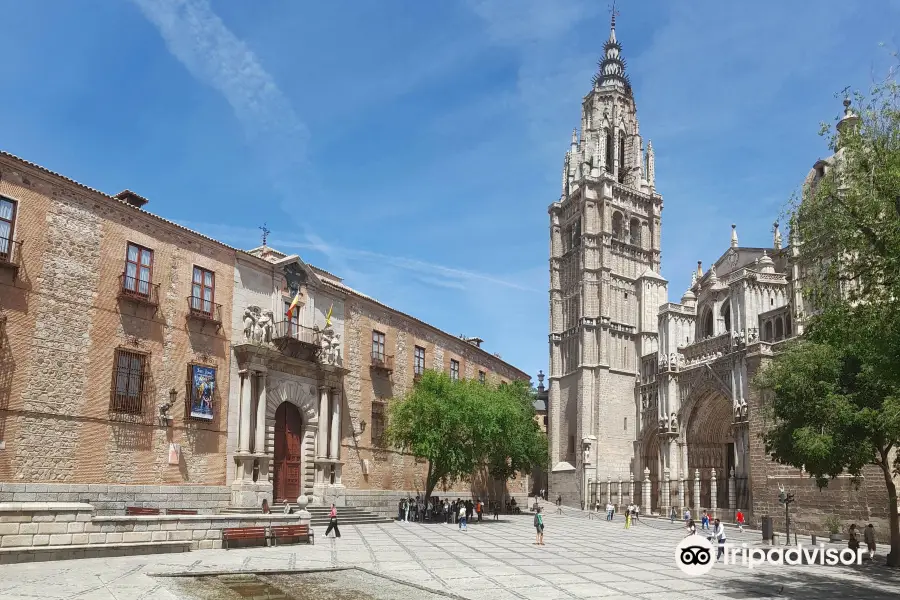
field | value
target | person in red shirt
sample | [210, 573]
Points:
[739, 517]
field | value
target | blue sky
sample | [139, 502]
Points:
[413, 146]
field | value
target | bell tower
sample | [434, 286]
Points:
[605, 287]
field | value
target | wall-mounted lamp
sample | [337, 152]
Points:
[362, 426]
[165, 419]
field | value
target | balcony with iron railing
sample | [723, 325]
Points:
[10, 254]
[138, 290]
[382, 362]
[286, 330]
[204, 311]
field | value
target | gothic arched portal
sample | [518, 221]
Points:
[709, 444]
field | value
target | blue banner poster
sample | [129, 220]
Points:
[203, 385]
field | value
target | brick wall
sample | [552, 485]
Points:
[862, 503]
[64, 323]
[389, 470]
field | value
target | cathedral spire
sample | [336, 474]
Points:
[612, 67]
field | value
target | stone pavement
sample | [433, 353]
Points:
[581, 559]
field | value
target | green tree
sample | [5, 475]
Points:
[835, 399]
[462, 426]
[847, 219]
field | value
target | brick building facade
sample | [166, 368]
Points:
[99, 333]
[144, 363]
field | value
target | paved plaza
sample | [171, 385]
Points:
[582, 558]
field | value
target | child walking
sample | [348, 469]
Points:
[539, 526]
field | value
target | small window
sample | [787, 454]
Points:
[626, 424]
[203, 291]
[129, 373]
[481, 377]
[138, 270]
[454, 369]
[378, 345]
[626, 295]
[419, 361]
[378, 422]
[7, 227]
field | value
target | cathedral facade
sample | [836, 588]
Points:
[651, 402]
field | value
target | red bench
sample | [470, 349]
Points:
[295, 532]
[243, 533]
[180, 511]
[140, 511]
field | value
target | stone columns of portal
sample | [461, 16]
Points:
[631, 488]
[681, 484]
[322, 441]
[334, 447]
[646, 491]
[712, 492]
[244, 426]
[732, 493]
[667, 493]
[697, 491]
[260, 442]
[620, 493]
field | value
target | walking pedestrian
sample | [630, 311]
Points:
[462, 518]
[333, 523]
[853, 535]
[628, 520]
[539, 526]
[739, 517]
[719, 535]
[869, 537]
[673, 514]
[691, 528]
[704, 521]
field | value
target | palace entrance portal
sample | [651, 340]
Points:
[288, 438]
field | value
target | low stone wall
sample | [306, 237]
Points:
[385, 502]
[111, 499]
[31, 526]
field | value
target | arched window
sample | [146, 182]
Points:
[609, 151]
[726, 315]
[707, 325]
[779, 329]
[635, 231]
[767, 332]
[618, 226]
[622, 157]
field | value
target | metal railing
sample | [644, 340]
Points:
[295, 331]
[384, 362]
[139, 290]
[10, 252]
[198, 308]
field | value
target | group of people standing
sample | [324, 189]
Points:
[436, 510]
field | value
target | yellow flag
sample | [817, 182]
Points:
[328, 316]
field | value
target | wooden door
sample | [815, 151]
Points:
[288, 435]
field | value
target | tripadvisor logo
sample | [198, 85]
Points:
[695, 555]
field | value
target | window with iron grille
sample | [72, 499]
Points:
[129, 381]
[454, 369]
[7, 225]
[378, 345]
[203, 291]
[481, 377]
[378, 422]
[138, 270]
[419, 364]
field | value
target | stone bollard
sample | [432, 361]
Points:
[304, 516]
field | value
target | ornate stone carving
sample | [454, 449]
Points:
[673, 422]
[329, 346]
[264, 324]
[251, 315]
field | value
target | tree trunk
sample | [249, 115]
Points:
[431, 480]
[893, 517]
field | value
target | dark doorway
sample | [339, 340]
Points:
[288, 435]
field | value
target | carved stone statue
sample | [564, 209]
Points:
[329, 346]
[265, 323]
[673, 360]
[249, 324]
[586, 459]
[673, 422]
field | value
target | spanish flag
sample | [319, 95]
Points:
[328, 316]
[290, 311]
